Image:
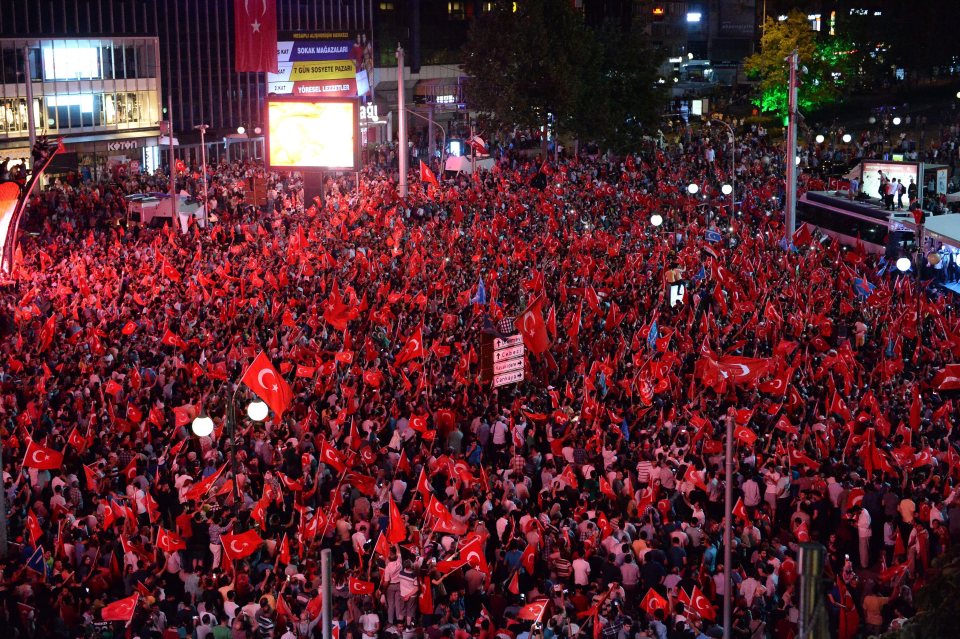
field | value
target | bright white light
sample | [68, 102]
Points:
[847, 138]
[257, 411]
[726, 189]
[692, 189]
[958, 95]
[656, 219]
[71, 63]
[903, 264]
[694, 16]
[820, 138]
[82, 100]
[690, 56]
[872, 120]
[798, 160]
[202, 426]
[896, 121]
[258, 130]
[241, 130]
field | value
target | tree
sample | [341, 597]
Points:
[938, 602]
[829, 69]
[542, 61]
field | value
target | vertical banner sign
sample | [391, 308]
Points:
[321, 64]
[255, 37]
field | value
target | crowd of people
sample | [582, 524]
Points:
[587, 498]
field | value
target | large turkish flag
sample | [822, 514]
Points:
[255, 23]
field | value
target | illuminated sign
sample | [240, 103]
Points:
[312, 133]
[446, 99]
[870, 182]
[694, 16]
[73, 63]
[658, 11]
[321, 64]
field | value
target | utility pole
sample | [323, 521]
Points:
[790, 209]
[31, 121]
[173, 178]
[326, 589]
[203, 171]
[402, 113]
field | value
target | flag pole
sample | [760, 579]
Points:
[326, 588]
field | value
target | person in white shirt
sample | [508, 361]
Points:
[751, 493]
[581, 570]
[864, 533]
[369, 624]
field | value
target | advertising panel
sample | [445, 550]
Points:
[312, 133]
[320, 63]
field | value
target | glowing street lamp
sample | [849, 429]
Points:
[202, 426]
[693, 189]
[819, 138]
[903, 264]
[656, 219]
[726, 189]
[847, 138]
[257, 411]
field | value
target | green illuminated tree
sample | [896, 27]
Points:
[828, 62]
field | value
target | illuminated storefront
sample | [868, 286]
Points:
[101, 94]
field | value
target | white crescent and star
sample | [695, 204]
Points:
[263, 374]
[529, 330]
[38, 457]
[238, 547]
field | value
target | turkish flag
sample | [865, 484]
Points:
[33, 527]
[242, 545]
[169, 541]
[426, 175]
[528, 558]
[915, 409]
[396, 529]
[284, 554]
[472, 551]
[702, 605]
[41, 457]
[745, 435]
[77, 440]
[740, 511]
[360, 587]
[948, 378]
[533, 328]
[172, 339]
[743, 370]
[46, 332]
[255, 37]
[412, 348]
[129, 328]
[264, 380]
[652, 601]
[121, 610]
[802, 236]
[331, 457]
[534, 610]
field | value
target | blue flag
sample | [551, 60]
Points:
[36, 563]
[701, 274]
[652, 335]
[481, 296]
[862, 287]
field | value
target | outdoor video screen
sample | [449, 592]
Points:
[893, 170]
[313, 134]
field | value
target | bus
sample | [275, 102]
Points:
[849, 222]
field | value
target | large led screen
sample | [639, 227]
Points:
[893, 170]
[313, 133]
[71, 63]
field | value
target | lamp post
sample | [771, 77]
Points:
[402, 151]
[202, 426]
[733, 167]
[203, 170]
[443, 150]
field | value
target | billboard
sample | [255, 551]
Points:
[312, 133]
[870, 184]
[325, 64]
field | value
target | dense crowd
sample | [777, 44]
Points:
[588, 498]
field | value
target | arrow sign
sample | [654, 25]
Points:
[508, 365]
[500, 344]
[507, 378]
[508, 353]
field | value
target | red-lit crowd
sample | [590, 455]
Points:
[586, 499]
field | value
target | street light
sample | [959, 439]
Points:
[656, 219]
[202, 426]
[820, 138]
[726, 189]
[241, 130]
[257, 411]
[692, 189]
[896, 121]
[847, 138]
[203, 160]
[903, 264]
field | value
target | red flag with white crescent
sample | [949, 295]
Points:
[236, 547]
[121, 610]
[41, 457]
[264, 380]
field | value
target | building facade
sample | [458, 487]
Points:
[192, 63]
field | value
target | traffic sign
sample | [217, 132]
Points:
[507, 365]
[508, 378]
[499, 344]
[508, 353]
